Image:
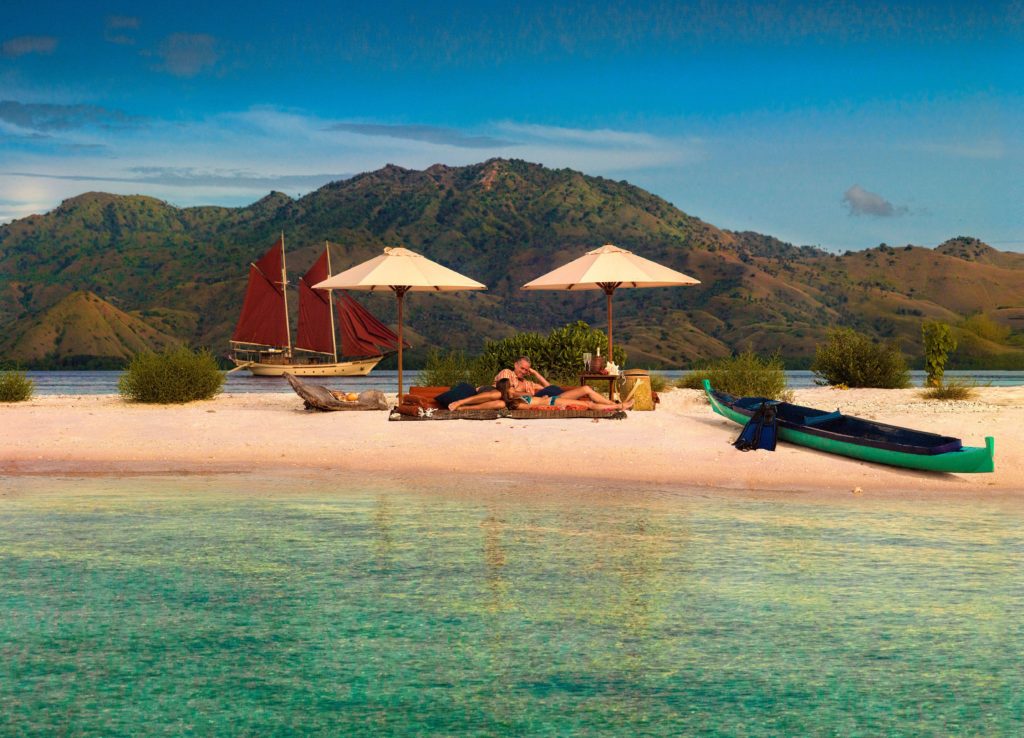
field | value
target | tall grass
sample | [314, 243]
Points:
[173, 376]
[743, 375]
[954, 389]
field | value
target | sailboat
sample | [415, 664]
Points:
[262, 341]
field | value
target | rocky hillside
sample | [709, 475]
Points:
[182, 271]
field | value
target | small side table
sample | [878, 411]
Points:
[611, 379]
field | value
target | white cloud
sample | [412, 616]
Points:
[22, 45]
[991, 150]
[589, 137]
[188, 54]
[119, 28]
[237, 157]
[861, 202]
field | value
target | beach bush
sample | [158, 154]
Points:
[448, 368]
[744, 375]
[854, 359]
[15, 386]
[983, 326]
[659, 382]
[954, 389]
[558, 356]
[175, 375]
[938, 342]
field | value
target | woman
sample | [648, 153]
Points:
[503, 396]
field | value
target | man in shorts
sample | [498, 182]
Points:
[520, 385]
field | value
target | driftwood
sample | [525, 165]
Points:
[320, 398]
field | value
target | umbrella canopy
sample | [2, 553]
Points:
[401, 271]
[609, 268]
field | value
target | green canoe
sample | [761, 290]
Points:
[846, 435]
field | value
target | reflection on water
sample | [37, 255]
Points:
[237, 605]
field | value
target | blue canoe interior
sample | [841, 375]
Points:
[863, 439]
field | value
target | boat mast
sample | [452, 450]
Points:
[284, 296]
[330, 301]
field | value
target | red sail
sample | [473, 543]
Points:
[316, 332]
[361, 333]
[264, 318]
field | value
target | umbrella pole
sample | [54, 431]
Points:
[400, 293]
[609, 288]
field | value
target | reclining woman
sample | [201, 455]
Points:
[503, 396]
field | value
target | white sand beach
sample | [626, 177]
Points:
[681, 444]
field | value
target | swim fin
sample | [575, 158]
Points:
[760, 431]
[767, 436]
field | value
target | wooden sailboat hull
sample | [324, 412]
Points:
[354, 368]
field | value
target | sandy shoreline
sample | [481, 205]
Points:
[682, 444]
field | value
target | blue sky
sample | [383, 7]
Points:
[840, 124]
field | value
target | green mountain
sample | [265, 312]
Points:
[83, 328]
[183, 270]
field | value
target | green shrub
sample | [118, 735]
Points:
[659, 382]
[984, 327]
[938, 342]
[15, 386]
[448, 368]
[743, 375]
[175, 375]
[854, 359]
[954, 389]
[558, 356]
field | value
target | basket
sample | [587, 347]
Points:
[636, 385]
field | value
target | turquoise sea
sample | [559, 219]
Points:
[105, 382]
[318, 605]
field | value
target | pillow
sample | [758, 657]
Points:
[420, 401]
[430, 392]
[459, 392]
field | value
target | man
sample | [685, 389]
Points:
[520, 385]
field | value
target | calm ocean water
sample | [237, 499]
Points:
[99, 383]
[331, 606]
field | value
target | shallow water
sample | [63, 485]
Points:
[105, 382]
[265, 606]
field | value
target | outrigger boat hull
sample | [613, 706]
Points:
[857, 438]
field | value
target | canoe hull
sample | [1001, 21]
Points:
[967, 460]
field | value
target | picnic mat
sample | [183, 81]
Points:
[514, 414]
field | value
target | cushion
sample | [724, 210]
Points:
[420, 401]
[430, 392]
[459, 392]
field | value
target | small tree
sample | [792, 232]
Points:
[558, 356]
[855, 360]
[175, 375]
[938, 342]
[15, 386]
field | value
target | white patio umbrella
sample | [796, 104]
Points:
[609, 268]
[401, 271]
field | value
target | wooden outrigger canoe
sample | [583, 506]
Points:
[858, 438]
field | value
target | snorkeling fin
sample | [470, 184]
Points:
[760, 431]
[769, 429]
